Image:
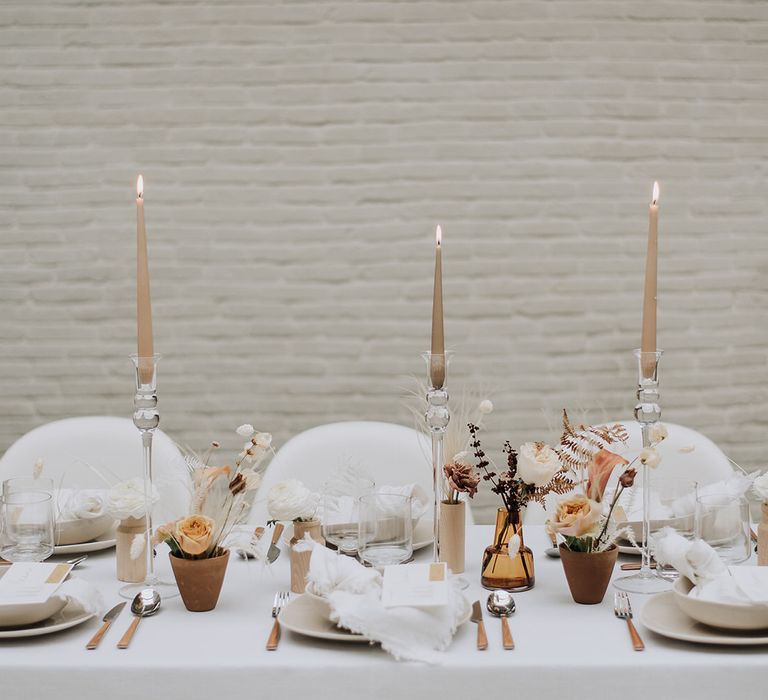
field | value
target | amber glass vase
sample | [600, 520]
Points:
[500, 570]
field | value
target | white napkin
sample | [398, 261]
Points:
[80, 595]
[80, 504]
[695, 560]
[354, 594]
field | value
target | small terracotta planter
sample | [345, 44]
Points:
[588, 573]
[200, 580]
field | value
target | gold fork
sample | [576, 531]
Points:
[623, 610]
[281, 598]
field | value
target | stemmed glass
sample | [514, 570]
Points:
[385, 534]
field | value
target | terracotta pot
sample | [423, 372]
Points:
[452, 535]
[200, 580]
[130, 570]
[588, 573]
[300, 560]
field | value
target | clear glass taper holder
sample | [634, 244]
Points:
[146, 418]
[437, 417]
[647, 413]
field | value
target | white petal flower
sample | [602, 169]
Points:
[252, 480]
[291, 500]
[263, 440]
[485, 407]
[658, 432]
[537, 463]
[649, 457]
[245, 430]
[514, 546]
[126, 499]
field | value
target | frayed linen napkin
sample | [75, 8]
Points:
[354, 595]
[713, 581]
[80, 595]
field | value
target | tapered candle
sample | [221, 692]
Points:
[143, 300]
[648, 339]
[437, 361]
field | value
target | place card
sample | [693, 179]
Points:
[416, 585]
[31, 582]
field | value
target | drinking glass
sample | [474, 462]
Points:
[723, 522]
[27, 526]
[385, 533]
[19, 484]
[341, 513]
[677, 506]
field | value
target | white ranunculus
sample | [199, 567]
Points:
[80, 504]
[537, 463]
[126, 499]
[658, 432]
[291, 500]
[649, 457]
[761, 486]
[245, 430]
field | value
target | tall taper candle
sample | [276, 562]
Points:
[437, 361]
[143, 301]
[648, 339]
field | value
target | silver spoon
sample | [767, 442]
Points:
[501, 604]
[554, 550]
[146, 603]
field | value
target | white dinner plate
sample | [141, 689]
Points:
[69, 616]
[423, 535]
[308, 615]
[629, 549]
[105, 541]
[662, 615]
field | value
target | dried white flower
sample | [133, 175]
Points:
[291, 500]
[138, 543]
[245, 430]
[485, 407]
[252, 480]
[658, 432]
[38, 468]
[649, 457]
[262, 440]
[514, 546]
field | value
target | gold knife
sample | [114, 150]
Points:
[108, 619]
[477, 618]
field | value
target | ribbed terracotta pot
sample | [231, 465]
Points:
[588, 573]
[200, 580]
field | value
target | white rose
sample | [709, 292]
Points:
[291, 500]
[485, 407]
[245, 430]
[649, 457]
[537, 463]
[761, 486]
[658, 432]
[126, 499]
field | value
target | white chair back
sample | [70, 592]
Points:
[97, 452]
[388, 453]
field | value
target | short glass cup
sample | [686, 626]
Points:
[677, 500]
[722, 521]
[27, 526]
[385, 533]
[341, 513]
[19, 484]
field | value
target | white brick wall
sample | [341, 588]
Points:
[297, 156]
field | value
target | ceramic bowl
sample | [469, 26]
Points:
[723, 615]
[28, 614]
[81, 530]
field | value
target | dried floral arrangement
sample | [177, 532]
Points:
[220, 500]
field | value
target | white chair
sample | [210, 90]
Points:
[388, 453]
[685, 454]
[97, 452]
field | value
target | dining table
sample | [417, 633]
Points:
[562, 649]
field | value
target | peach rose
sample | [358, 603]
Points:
[194, 534]
[576, 516]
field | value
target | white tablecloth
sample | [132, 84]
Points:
[563, 650]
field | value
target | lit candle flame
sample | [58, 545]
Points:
[439, 236]
[655, 197]
[140, 187]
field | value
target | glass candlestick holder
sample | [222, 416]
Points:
[437, 417]
[647, 413]
[146, 418]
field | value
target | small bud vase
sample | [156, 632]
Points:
[588, 573]
[130, 570]
[762, 538]
[512, 571]
[300, 560]
[452, 534]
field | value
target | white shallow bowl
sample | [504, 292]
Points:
[81, 530]
[729, 616]
[22, 615]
